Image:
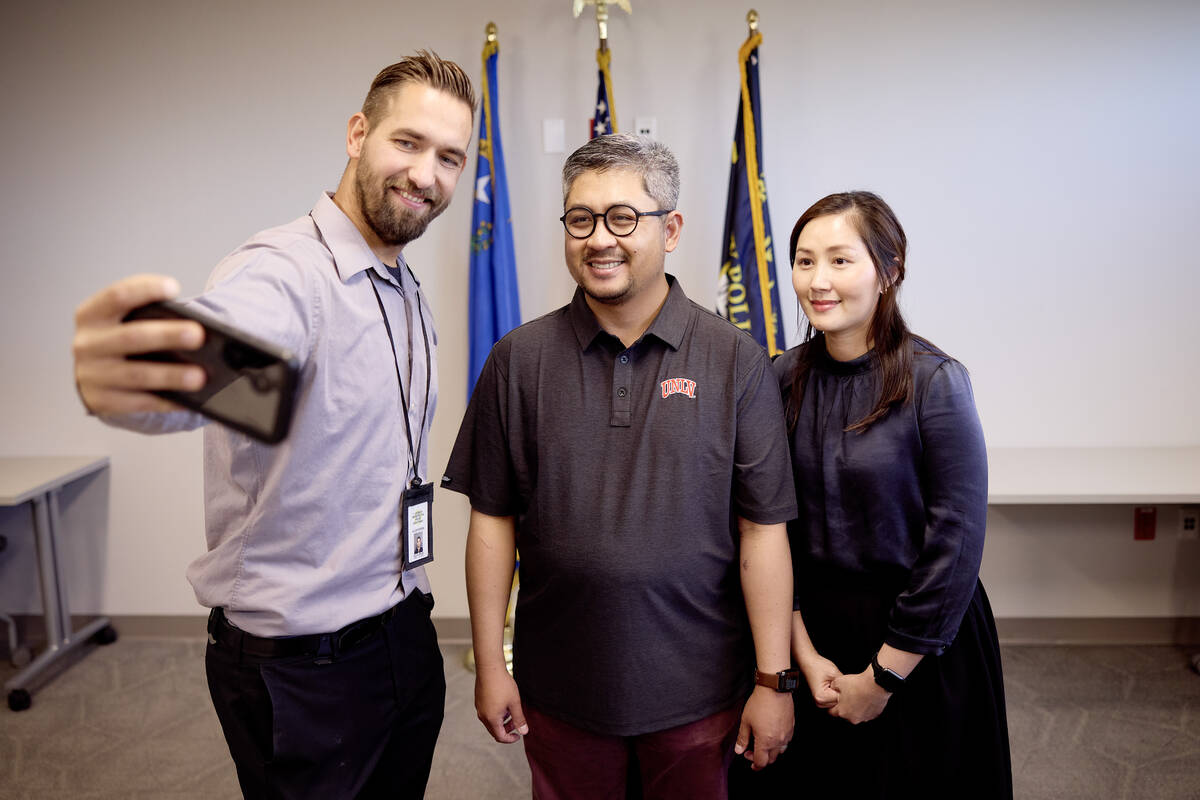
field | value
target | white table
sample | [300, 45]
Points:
[37, 481]
[1093, 475]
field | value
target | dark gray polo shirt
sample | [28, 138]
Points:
[625, 470]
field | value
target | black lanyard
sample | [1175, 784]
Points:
[412, 451]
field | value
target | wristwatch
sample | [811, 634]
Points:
[783, 681]
[890, 681]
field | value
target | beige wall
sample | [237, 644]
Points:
[1041, 156]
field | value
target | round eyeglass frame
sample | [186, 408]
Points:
[637, 216]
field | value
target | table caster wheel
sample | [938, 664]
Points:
[106, 635]
[19, 699]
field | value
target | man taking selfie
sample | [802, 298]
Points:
[322, 662]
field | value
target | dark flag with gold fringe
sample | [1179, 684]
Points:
[747, 294]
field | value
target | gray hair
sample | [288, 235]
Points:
[652, 160]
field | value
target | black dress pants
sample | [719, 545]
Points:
[354, 722]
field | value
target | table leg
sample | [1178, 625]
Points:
[60, 639]
[48, 572]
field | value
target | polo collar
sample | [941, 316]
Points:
[351, 254]
[669, 325]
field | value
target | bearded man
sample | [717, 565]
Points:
[322, 662]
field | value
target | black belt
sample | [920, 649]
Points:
[323, 646]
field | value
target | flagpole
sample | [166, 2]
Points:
[577, 7]
[605, 120]
[494, 308]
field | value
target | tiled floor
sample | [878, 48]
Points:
[133, 720]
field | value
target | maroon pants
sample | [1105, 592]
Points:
[689, 761]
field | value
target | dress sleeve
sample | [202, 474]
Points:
[480, 465]
[953, 471]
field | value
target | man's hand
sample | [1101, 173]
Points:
[860, 699]
[498, 704]
[770, 718]
[108, 384]
[820, 674]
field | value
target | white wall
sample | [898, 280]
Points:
[1041, 155]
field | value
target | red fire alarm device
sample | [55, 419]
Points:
[1144, 519]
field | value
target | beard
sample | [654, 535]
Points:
[395, 225]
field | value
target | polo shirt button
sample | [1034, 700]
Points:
[621, 392]
[624, 359]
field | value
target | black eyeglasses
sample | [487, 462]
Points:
[580, 222]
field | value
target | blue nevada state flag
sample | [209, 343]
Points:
[494, 305]
[746, 291]
[605, 120]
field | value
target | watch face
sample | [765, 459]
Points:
[888, 680]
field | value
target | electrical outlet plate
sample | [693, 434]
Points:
[646, 126]
[1189, 522]
[554, 136]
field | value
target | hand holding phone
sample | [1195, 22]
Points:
[107, 383]
[250, 384]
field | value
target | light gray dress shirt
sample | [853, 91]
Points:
[304, 536]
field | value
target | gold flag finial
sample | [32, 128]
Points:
[491, 31]
[577, 7]
[752, 21]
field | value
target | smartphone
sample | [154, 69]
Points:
[251, 384]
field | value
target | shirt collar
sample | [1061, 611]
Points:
[351, 254]
[669, 324]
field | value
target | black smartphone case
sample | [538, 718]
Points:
[229, 356]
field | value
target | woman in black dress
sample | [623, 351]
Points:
[892, 630]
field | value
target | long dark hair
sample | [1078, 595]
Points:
[877, 226]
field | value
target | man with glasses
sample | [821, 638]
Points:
[632, 445]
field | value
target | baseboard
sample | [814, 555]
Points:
[457, 630]
[1099, 630]
[453, 630]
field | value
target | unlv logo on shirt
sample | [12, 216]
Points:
[678, 386]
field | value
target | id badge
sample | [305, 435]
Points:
[416, 534]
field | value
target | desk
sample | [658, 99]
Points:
[37, 481]
[1094, 476]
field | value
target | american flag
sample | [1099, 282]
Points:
[605, 120]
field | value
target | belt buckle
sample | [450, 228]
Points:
[327, 649]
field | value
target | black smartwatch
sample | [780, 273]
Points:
[783, 681]
[887, 679]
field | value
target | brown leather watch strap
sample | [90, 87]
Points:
[785, 681]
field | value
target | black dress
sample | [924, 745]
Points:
[887, 549]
